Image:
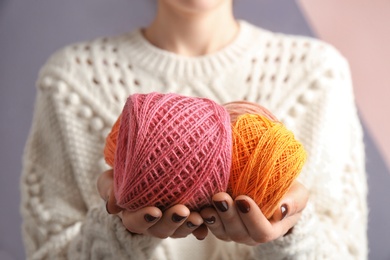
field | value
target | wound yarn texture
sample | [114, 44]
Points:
[170, 149]
[266, 157]
[111, 141]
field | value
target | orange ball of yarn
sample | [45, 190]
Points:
[266, 158]
[111, 141]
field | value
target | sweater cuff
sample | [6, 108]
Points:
[103, 236]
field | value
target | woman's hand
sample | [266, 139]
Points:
[242, 221]
[175, 222]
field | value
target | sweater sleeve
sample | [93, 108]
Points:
[334, 224]
[62, 213]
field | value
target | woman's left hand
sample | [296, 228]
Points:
[242, 221]
[175, 222]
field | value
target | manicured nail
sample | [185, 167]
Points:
[209, 220]
[149, 218]
[177, 218]
[243, 206]
[221, 205]
[283, 210]
[190, 224]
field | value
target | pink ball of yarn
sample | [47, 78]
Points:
[171, 149]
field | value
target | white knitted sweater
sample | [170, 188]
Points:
[82, 89]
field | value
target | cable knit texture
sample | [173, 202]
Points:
[82, 89]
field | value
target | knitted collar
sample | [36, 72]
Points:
[158, 61]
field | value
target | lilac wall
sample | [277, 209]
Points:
[31, 30]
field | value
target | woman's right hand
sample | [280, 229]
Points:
[175, 222]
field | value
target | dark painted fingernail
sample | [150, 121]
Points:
[177, 218]
[149, 218]
[190, 224]
[243, 206]
[221, 205]
[209, 220]
[283, 210]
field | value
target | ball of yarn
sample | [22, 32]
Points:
[170, 149]
[266, 157]
[238, 108]
[111, 141]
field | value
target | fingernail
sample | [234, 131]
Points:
[221, 205]
[283, 210]
[177, 218]
[209, 220]
[190, 224]
[243, 206]
[149, 218]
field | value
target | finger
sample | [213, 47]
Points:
[290, 208]
[105, 188]
[111, 206]
[293, 202]
[141, 220]
[193, 221]
[170, 221]
[286, 225]
[233, 225]
[213, 222]
[262, 230]
[257, 225]
[282, 227]
[201, 232]
[104, 183]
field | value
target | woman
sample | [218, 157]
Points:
[194, 48]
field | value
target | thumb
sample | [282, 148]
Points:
[104, 184]
[105, 187]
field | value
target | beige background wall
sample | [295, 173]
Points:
[360, 29]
